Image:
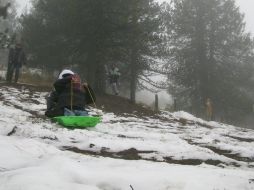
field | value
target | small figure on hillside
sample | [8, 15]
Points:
[4, 10]
[114, 76]
[16, 60]
[209, 109]
[69, 96]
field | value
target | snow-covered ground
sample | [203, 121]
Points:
[171, 151]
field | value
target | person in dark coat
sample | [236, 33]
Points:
[70, 96]
[16, 60]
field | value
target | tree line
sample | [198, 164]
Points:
[7, 22]
[201, 45]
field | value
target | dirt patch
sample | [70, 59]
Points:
[229, 154]
[226, 153]
[241, 139]
[192, 161]
[13, 131]
[50, 138]
[133, 154]
[122, 106]
[24, 86]
[128, 137]
[130, 154]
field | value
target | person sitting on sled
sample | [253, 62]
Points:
[69, 97]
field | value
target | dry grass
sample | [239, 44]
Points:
[36, 79]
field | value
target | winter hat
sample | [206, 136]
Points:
[65, 72]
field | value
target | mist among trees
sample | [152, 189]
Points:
[200, 45]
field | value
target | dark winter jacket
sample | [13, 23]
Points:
[17, 57]
[71, 95]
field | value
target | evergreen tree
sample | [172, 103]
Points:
[212, 54]
[93, 34]
[7, 22]
[84, 33]
[142, 40]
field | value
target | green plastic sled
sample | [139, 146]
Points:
[78, 122]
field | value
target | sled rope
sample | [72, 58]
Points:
[71, 95]
[90, 94]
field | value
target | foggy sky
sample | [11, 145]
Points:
[246, 6]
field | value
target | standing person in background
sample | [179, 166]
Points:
[114, 76]
[209, 109]
[16, 60]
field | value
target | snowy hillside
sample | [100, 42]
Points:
[167, 152]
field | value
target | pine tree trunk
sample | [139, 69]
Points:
[134, 73]
[133, 86]
[100, 82]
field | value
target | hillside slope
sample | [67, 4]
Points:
[126, 151]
